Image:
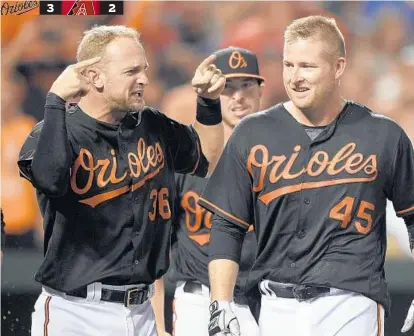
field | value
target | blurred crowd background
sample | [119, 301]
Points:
[177, 36]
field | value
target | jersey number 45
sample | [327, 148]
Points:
[343, 212]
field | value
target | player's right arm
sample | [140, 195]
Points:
[46, 156]
[226, 240]
[228, 194]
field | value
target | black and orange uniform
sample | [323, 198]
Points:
[317, 203]
[105, 192]
[191, 236]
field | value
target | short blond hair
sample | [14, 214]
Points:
[317, 27]
[95, 40]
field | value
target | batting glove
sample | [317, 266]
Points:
[409, 320]
[223, 321]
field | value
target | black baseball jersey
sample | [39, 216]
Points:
[318, 207]
[109, 219]
[191, 236]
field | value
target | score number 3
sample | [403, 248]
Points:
[343, 213]
[160, 204]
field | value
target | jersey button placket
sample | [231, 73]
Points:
[301, 231]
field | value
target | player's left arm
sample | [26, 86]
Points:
[184, 146]
[210, 131]
[196, 149]
[209, 82]
[401, 193]
[401, 187]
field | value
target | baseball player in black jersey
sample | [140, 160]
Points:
[191, 224]
[313, 176]
[104, 174]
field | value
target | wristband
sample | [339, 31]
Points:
[208, 111]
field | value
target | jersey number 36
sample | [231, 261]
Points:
[160, 204]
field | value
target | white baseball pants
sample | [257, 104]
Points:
[57, 314]
[191, 314]
[339, 313]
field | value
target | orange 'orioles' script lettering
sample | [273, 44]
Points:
[195, 215]
[144, 165]
[278, 168]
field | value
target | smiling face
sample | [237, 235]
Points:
[123, 75]
[310, 72]
[240, 98]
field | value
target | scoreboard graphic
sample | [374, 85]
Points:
[65, 7]
[80, 7]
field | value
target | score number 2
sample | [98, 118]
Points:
[160, 204]
[112, 7]
[343, 213]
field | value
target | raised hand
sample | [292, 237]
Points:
[208, 81]
[72, 83]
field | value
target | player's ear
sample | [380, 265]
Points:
[340, 67]
[95, 77]
[261, 88]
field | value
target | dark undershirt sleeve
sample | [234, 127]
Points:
[226, 240]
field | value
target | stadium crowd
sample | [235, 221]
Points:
[177, 36]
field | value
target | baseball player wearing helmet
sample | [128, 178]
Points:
[104, 174]
[192, 224]
[313, 176]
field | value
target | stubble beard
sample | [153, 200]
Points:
[126, 108]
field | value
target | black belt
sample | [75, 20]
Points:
[298, 292]
[196, 288]
[129, 297]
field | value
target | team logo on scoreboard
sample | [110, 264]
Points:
[20, 8]
[81, 7]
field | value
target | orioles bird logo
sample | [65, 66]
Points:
[237, 60]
